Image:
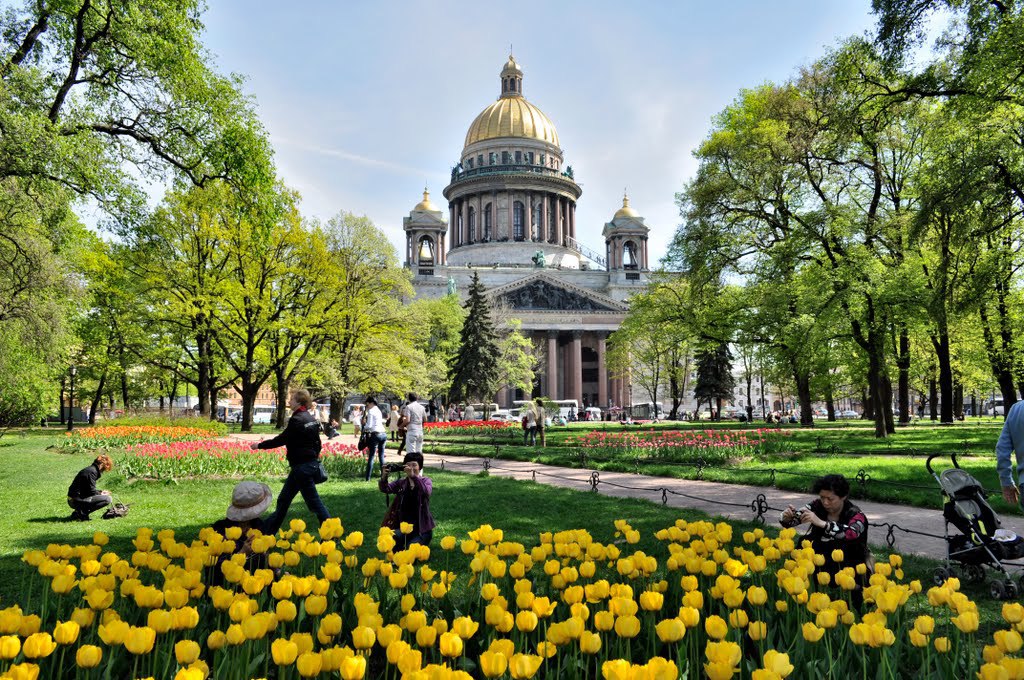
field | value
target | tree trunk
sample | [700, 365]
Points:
[830, 400]
[203, 377]
[890, 425]
[903, 364]
[249, 391]
[869, 407]
[337, 403]
[876, 392]
[124, 390]
[958, 400]
[283, 385]
[940, 341]
[998, 361]
[97, 398]
[214, 391]
[803, 394]
[974, 406]
[933, 398]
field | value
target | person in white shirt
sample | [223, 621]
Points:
[374, 426]
[393, 418]
[530, 426]
[413, 415]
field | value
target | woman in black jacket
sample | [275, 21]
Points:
[301, 439]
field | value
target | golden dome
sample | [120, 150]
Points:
[512, 116]
[426, 204]
[625, 210]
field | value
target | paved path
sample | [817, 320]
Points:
[730, 501]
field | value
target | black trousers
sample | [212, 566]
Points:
[85, 506]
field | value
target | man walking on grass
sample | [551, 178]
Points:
[413, 415]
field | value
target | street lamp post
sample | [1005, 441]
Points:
[71, 401]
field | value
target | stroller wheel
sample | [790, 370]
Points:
[974, 573]
[940, 575]
[998, 590]
[1011, 589]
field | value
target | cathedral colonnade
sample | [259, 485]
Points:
[575, 366]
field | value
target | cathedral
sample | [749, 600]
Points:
[511, 219]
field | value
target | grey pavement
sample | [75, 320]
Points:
[729, 501]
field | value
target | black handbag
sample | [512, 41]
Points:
[320, 476]
[364, 441]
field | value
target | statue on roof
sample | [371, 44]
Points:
[452, 287]
[538, 258]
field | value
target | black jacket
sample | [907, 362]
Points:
[301, 438]
[84, 485]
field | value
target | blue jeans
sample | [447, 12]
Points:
[299, 480]
[377, 442]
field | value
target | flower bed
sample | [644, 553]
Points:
[675, 445]
[224, 458]
[111, 437]
[706, 603]
[490, 430]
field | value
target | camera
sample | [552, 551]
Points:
[394, 467]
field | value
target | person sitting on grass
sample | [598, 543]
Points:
[83, 496]
[834, 523]
[248, 501]
[411, 504]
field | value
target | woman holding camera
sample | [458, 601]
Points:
[411, 504]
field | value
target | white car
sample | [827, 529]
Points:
[847, 415]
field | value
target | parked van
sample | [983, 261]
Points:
[263, 415]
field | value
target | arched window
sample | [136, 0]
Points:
[488, 224]
[536, 225]
[629, 256]
[472, 225]
[518, 221]
[426, 251]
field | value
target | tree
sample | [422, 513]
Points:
[714, 376]
[369, 287]
[475, 373]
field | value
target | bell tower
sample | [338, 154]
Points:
[425, 228]
[625, 240]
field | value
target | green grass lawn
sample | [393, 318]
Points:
[846, 448]
[33, 483]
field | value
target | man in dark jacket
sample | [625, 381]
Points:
[83, 496]
[301, 439]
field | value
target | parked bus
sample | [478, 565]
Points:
[647, 410]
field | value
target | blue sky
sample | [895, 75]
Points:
[365, 102]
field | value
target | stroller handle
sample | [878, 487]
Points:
[928, 463]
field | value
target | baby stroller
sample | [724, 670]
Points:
[981, 542]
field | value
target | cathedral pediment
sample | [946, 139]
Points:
[544, 293]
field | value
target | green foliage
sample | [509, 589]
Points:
[25, 379]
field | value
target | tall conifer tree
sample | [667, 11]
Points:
[714, 376]
[475, 373]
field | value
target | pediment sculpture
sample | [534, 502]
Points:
[545, 296]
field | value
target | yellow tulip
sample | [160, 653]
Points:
[493, 664]
[757, 630]
[604, 620]
[315, 605]
[448, 543]
[992, 671]
[757, 595]
[925, 625]
[941, 645]
[524, 665]
[812, 633]
[186, 652]
[38, 646]
[992, 655]
[286, 611]
[716, 627]
[99, 599]
[426, 636]
[308, 664]
[66, 632]
[88, 656]
[617, 669]
[465, 627]
[1008, 641]
[590, 643]
[778, 663]
[22, 671]
[363, 637]
[216, 640]
[526, 621]
[627, 626]
[917, 638]
[10, 647]
[827, 618]
[966, 622]
[1013, 612]
[651, 601]
[140, 640]
[690, 616]
[450, 645]
[670, 630]
[353, 667]
[284, 652]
